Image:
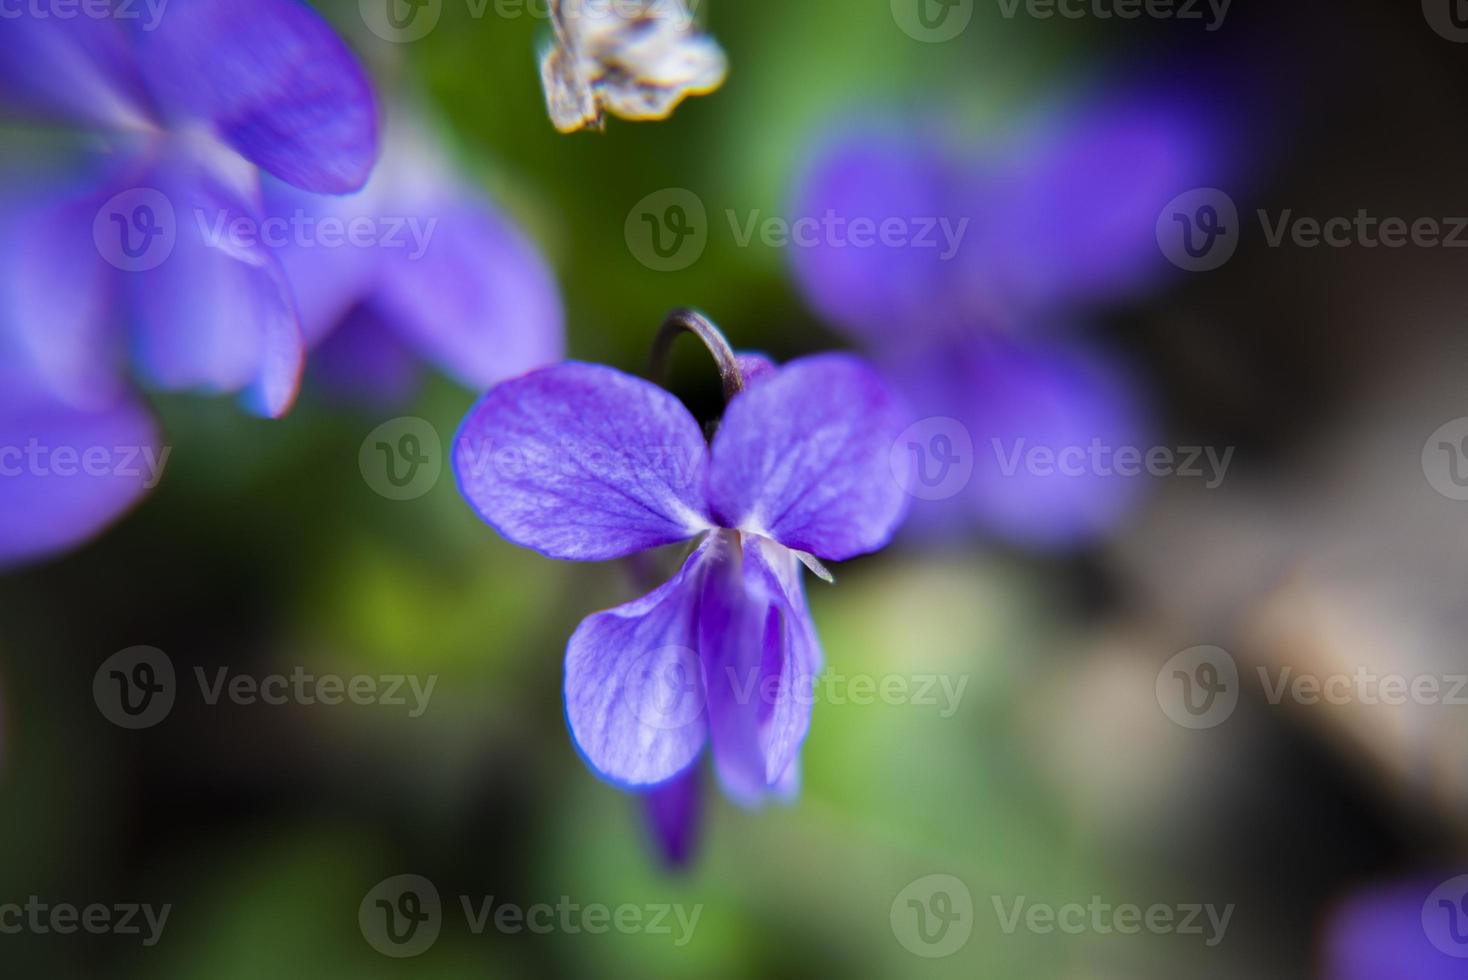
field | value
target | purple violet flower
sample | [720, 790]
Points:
[968, 311]
[584, 463]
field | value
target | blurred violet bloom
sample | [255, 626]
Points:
[584, 463]
[440, 275]
[148, 249]
[963, 274]
[1412, 929]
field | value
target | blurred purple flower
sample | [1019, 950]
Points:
[584, 463]
[1413, 929]
[148, 250]
[447, 278]
[973, 263]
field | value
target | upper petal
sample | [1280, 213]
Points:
[583, 462]
[66, 472]
[1073, 218]
[634, 684]
[470, 292]
[274, 81]
[803, 458]
[879, 285]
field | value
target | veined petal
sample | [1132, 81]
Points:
[803, 458]
[216, 312]
[274, 81]
[66, 473]
[634, 684]
[758, 660]
[583, 462]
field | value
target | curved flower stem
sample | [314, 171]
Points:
[694, 322]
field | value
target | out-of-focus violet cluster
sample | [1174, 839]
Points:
[972, 297]
[139, 246]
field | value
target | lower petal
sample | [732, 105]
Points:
[634, 684]
[215, 313]
[758, 656]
